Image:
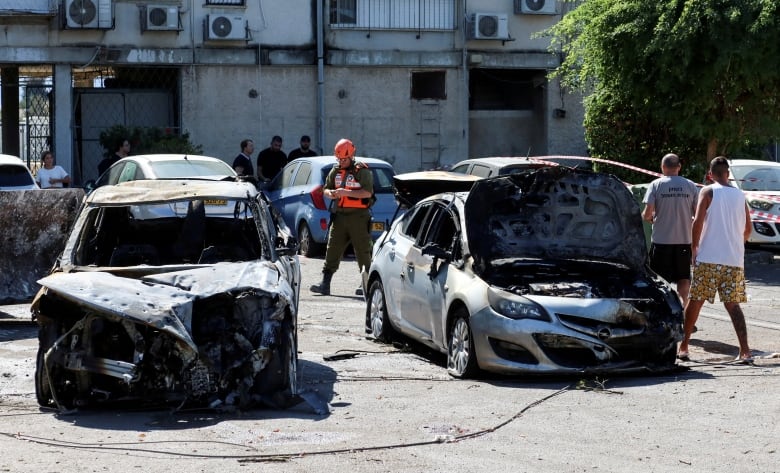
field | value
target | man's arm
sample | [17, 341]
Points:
[649, 212]
[705, 199]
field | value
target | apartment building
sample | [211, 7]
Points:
[420, 83]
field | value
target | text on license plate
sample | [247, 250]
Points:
[377, 226]
[215, 201]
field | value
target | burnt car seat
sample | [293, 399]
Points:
[134, 254]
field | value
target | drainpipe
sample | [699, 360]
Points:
[320, 78]
[465, 78]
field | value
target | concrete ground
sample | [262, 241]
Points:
[389, 408]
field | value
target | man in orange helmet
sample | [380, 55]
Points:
[351, 187]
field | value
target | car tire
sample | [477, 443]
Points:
[461, 356]
[377, 322]
[308, 247]
[47, 335]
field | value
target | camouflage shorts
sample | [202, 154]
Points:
[728, 281]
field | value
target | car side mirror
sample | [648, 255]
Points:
[286, 247]
[89, 186]
[433, 249]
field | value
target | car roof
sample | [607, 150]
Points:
[10, 159]
[329, 160]
[156, 158]
[151, 191]
[554, 160]
[752, 162]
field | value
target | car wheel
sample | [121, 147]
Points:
[291, 364]
[47, 335]
[377, 323]
[461, 357]
[308, 247]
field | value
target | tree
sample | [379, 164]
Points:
[147, 140]
[690, 76]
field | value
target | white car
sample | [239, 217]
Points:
[760, 181]
[165, 166]
[15, 175]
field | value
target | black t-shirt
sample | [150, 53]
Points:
[107, 162]
[271, 161]
[299, 153]
[243, 161]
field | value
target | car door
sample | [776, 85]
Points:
[282, 194]
[425, 278]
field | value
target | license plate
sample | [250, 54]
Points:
[377, 227]
[215, 201]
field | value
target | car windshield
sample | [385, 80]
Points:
[757, 178]
[188, 168]
[14, 176]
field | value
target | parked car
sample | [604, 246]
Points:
[500, 166]
[164, 166]
[15, 175]
[192, 309]
[297, 193]
[760, 181]
[534, 273]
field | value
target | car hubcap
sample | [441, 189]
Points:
[377, 313]
[304, 239]
[459, 347]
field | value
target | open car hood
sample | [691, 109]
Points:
[554, 213]
[412, 187]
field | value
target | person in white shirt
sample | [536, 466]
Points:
[51, 175]
[720, 228]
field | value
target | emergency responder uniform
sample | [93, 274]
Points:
[350, 216]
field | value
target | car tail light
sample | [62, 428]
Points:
[318, 198]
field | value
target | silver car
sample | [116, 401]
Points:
[539, 272]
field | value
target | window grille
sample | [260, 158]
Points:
[430, 15]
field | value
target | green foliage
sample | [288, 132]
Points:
[147, 140]
[696, 77]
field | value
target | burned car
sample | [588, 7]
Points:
[543, 272]
[172, 294]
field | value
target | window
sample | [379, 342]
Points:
[413, 221]
[397, 14]
[226, 2]
[429, 85]
[505, 89]
[304, 172]
[383, 180]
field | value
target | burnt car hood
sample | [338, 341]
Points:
[554, 213]
[412, 187]
[165, 300]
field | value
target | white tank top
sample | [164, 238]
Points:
[722, 238]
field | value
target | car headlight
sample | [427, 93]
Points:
[514, 306]
[760, 204]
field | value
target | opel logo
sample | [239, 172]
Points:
[604, 333]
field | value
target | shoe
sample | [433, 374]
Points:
[683, 356]
[744, 361]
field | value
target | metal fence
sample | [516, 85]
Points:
[422, 15]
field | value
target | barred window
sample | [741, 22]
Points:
[395, 15]
[226, 2]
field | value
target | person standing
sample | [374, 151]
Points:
[51, 175]
[271, 160]
[122, 151]
[670, 203]
[351, 186]
[720, 228]
[243, 162]
[304, 151]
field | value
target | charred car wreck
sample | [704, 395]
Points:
[540, 272]
[171, 293]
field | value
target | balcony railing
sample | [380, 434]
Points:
[28, 7]
[429, 15]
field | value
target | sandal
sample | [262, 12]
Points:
[683, 356]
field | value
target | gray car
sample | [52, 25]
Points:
[193, 307]
[535, 273]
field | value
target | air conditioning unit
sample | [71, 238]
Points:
[159, 18]
[225, 27]
[88, 14]
[489, 26]
[535, 7]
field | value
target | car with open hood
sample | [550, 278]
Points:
[195, 306]
[542, 272]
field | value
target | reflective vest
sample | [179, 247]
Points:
[346, 178]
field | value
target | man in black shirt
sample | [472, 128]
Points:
[271, 160]
[304, 151]
[243, 162]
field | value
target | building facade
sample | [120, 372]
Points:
[420, 83]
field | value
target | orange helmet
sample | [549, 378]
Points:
[344, 149]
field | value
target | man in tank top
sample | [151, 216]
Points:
[720, 228]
